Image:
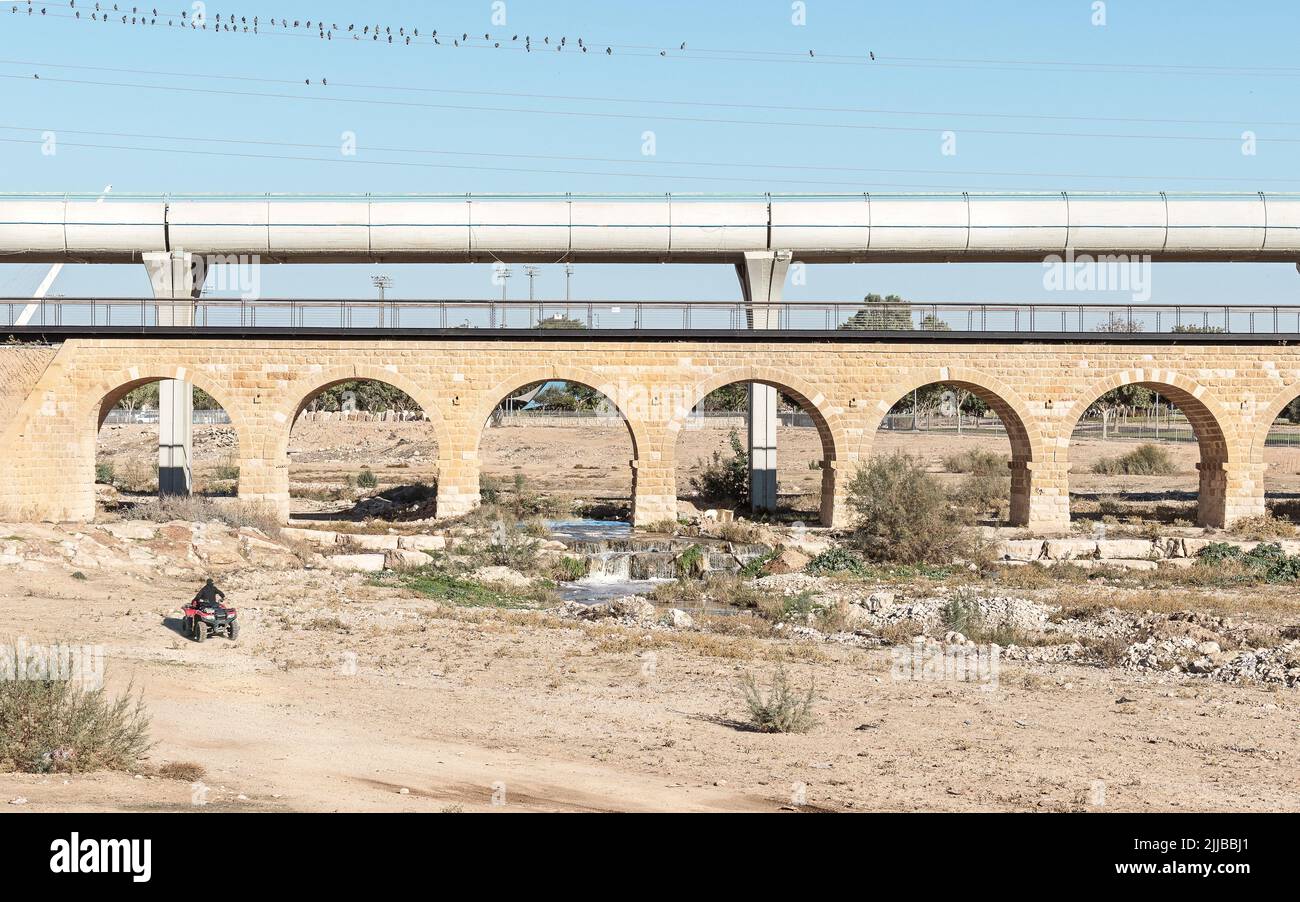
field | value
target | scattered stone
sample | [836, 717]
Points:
[366, 542]
[501, 576]
[367, 563]
[423, 543]
[403, 559]
[678, 619]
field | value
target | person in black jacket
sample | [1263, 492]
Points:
[209, 593]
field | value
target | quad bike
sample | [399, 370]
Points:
[204, 618]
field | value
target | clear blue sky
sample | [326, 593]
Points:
[917, 45]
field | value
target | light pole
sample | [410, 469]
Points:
[568, 278]
[504, 274]
[531, 272]
[383, 283]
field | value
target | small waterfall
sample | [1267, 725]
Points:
[609, 567]
[622, 563]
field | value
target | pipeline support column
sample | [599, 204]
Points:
[762, 280]
[174, 277]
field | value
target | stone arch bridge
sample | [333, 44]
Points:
[54, 396]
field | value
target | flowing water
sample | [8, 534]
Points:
[623, 562]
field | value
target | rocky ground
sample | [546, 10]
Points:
[352, 690]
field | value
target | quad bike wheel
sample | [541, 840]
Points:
[200, 630]
[234, 631]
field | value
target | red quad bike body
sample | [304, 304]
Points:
[208, 618]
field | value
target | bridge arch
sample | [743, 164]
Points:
[112, 387]
[624, 398]
[826, 416]
[1216, 437]
[295, 397]
[1029, 448]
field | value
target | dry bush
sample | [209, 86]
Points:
[1144, 460]
[783, 709]
[59, 725]
[196, 509]
[903, 514]
[185, 771]
[1264, 526]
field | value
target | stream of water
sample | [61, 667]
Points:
[625, 563]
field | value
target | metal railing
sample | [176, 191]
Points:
[1100, 320]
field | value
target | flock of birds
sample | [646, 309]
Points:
[106, 12]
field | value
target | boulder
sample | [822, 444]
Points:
[1132, 549]
[1070, 549]
[366, 542]
[266, 553]
[422, 543]
[368, 563]
[501, 576]
[632, 606]
[138, 530]
[787, 560]
[319, 537]
[404, 559]
[679, 619]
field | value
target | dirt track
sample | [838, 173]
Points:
[572, 718]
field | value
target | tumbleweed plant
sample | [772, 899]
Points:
[783, 709]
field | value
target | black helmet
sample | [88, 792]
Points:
[209, 581]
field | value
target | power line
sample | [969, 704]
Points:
[853, 186]
[172, 89]
[643, 161]
[668, 102]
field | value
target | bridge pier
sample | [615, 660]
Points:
[762, 283]
[173, 277]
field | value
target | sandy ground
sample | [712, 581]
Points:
[590, 463]
[457, 706]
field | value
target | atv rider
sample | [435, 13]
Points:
[209, 593]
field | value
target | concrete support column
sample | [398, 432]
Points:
[174, 277]
[762, 280]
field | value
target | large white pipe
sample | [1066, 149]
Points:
[854, 228]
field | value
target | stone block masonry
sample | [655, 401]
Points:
[54, 398]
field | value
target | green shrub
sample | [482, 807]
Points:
[1267, 561]
[691, 562]
[366, 479]
[59, 725]
[570, 569]
[725, 479]
[105, 473]
[904, 516]
[783, 709]
[227, 471]
[837, 560]
[1144, 460]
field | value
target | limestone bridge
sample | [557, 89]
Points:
[1231, 369]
